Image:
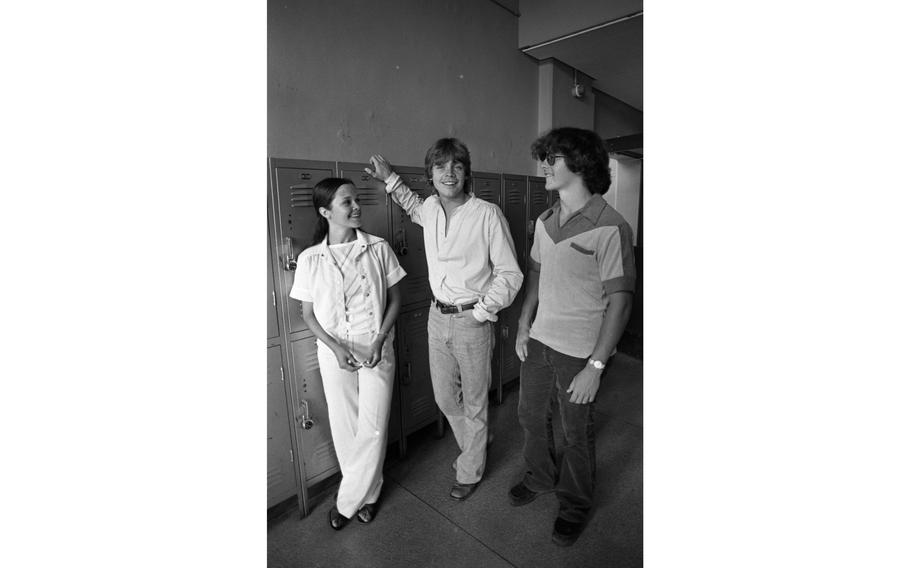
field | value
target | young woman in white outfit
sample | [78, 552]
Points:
[347, 281]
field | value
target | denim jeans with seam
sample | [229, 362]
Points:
[461, 349]
[545, 376]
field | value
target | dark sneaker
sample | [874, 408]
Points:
[520, 495]
[461, 491]
[565, 533]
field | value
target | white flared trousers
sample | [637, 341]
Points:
[358, 406]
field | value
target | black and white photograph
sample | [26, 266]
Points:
[455, 341]
[458, 304]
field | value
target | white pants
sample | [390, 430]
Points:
[358, 406]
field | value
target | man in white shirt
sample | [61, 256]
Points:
[473, 273]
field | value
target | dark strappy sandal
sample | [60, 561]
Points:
[367, 513]
[336, 520]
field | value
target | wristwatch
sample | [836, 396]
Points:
[599, 365]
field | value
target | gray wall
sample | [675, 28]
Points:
[614, 118]
[350, 78]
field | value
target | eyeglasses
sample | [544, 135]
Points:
[550, 159]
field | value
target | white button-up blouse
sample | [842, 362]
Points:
[318, 280]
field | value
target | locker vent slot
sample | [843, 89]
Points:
[487, 195]
[323, 460]
[424, 408]
[301, 197]
[368, 197]
[276, 478]
[417, 288]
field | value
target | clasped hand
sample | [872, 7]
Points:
[348, 362]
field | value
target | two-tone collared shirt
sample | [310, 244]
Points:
[581, 263]
[474, 260]
[319, 279]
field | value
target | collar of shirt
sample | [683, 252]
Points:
[590, 212]
[469, 203]
[363, 240]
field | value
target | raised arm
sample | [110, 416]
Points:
[394, 186]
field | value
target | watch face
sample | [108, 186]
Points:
[597, 364]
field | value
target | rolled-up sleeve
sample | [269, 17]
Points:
[405, 198]
[302, 288]
[393, 270]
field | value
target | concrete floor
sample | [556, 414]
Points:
[418, 524]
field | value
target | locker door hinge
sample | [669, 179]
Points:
[292, 455]
[282, 374]
[274, 303]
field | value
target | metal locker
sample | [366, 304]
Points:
[292, 190]
[487, 186]
[272, 299]
[395, 416]
[514, 207]
[281, 481]
[311, 417]
[374, 203]
[539, 200]
[509, 364]
[418, 406]
[407, 241]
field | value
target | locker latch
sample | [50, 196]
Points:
[287, 256]
[304, 420]
[402, 243]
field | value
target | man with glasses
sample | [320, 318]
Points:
[581, 276]
[473, 273]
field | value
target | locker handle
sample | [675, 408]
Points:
[406, 379]
[402, 245]
[287, 256]
[305, 175]
[505, 332]
[304, 420]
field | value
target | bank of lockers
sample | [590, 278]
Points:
[407, 241]
[291, 217]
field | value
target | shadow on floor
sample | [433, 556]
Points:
[419, 525]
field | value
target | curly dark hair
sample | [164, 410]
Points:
[585, 154]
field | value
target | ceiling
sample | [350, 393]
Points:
[609, 52]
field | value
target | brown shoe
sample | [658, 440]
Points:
[461, 491]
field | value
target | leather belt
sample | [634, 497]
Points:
[451, 308]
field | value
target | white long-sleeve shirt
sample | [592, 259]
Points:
[474, 260]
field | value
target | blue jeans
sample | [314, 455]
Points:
[460, 352]
[545, 376]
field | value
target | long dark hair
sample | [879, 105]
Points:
[323, 194]
[585, 154]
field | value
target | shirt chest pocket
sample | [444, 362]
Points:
[581, 249]
[581, 262]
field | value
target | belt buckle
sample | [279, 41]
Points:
[444, 308]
